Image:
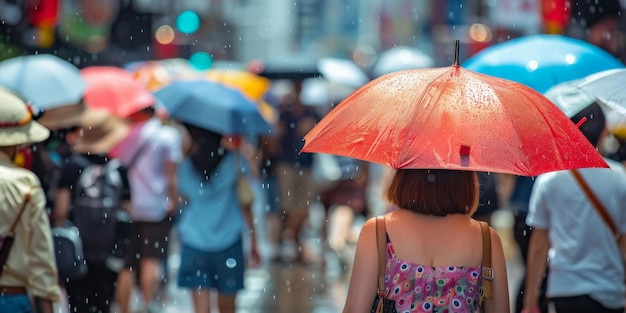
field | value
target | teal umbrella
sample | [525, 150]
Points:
[542, 61]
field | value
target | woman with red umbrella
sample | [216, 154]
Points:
[437, 127]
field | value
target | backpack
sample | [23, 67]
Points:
[96, 205]
[68, 253]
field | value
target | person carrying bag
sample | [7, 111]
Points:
[29, 279]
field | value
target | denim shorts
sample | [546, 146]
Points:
[15, 304]
[221, 270]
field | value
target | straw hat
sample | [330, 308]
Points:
[17, 126]
[100, 132]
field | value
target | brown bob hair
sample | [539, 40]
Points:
[435, 192]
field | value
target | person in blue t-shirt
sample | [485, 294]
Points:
[213, 222]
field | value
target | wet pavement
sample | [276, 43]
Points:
[318, 287]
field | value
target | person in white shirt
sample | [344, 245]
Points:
[586, 269]
[151, 152]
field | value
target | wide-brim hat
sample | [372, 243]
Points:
[100, 132]
[62, 117]
[17, 126]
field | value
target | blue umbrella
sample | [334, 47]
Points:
[212, 106]
[45, 80]
[542, 61]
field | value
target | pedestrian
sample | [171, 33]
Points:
[91, 141]
[345, 204]
[274, 219]
[151, 153]
[434, 248]
[297, 190]
[30, 270]
[598, 22]
[213, 222]
[586, 272]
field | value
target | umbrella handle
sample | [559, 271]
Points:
[456, 52]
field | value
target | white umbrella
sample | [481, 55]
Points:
[401, 58]
[318, 91]
[342, 71]
[608, 87]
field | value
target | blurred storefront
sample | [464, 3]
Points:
[120, 31]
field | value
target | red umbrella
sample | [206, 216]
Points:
[453, 118]
[115, 90]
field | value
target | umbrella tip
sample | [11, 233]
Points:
[456, 52]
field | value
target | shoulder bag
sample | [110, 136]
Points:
[596, 202]
[244, 191]
[486, 269]
[381, 303]
[6, 240]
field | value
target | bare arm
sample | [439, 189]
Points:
[172, 185]
[255, 257]
[364, 278]
[500, 301]
[61, 206]
[537, 256]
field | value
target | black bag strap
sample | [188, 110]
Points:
[596, 202]
[381, 240]
[487, 270]
[19, 214]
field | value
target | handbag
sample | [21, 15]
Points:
[486, 269]
[6, 240]
[381, 303]
[244, 191]
[596, 202]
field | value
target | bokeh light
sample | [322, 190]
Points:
[164, 34]
[188, 22]
[201, 60]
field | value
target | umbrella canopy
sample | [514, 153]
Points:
[542, 61]
[212, 106]
[252, 85]
[401, 58]
[45, 80]
[453, 118]
[115, 90]
[336, 71]
[608, 86]
[342, 72]
[317, 91]
[294, 68]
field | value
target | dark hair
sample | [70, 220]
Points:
[208, 151]
[435, 192]
[595, 124]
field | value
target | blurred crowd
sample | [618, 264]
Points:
[171, 171]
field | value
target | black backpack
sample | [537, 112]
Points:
[96, 205]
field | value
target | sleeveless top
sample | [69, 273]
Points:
[417, 288]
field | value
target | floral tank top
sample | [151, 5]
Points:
[417, 288]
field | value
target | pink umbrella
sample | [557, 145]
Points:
[115, 90]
